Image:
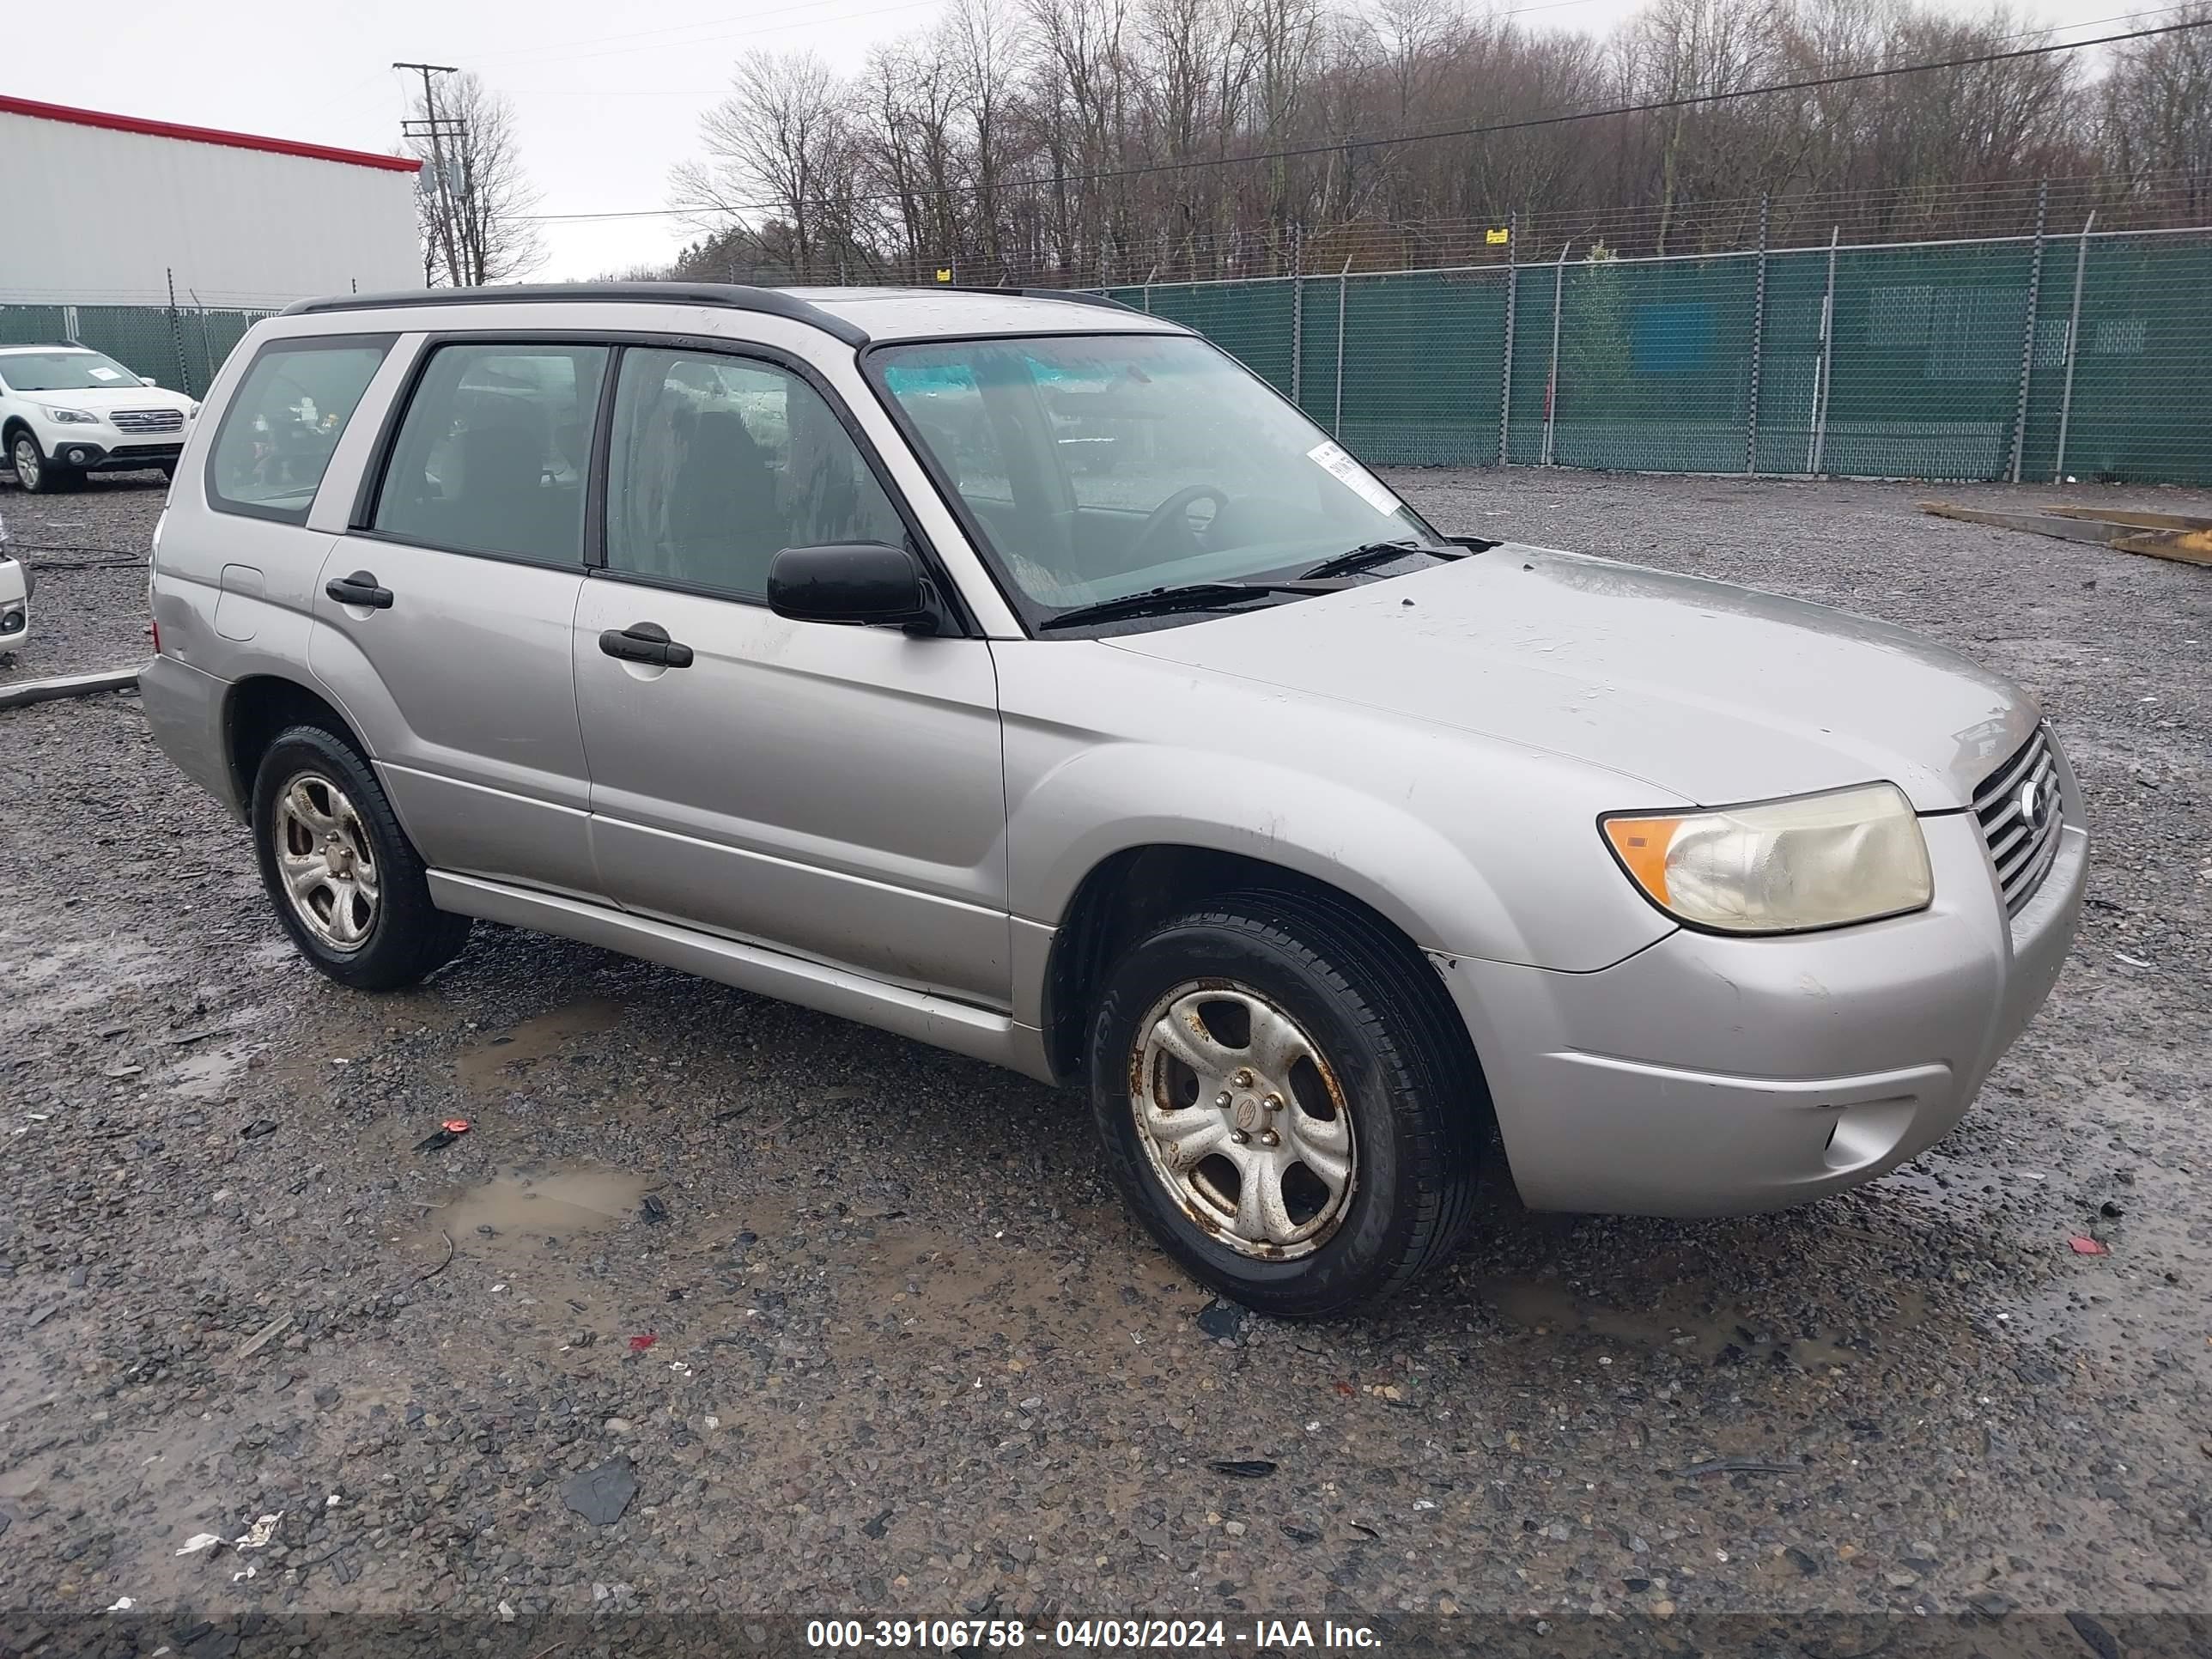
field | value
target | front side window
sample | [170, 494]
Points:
[284, 420]
[64, 371]
[1099, 466]
[491, 455]
[717, 464]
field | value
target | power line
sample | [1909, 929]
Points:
[1349, 143]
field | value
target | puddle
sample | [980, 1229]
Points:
[1678, 1321]
[54, 977]
[504, 1057]
[524, 1210]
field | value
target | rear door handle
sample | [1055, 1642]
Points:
[646, 642]
[360, 588]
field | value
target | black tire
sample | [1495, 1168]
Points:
[168, 471]
[409, 937]
[47, 476]
[1385, 1027]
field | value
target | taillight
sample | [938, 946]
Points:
[157, 639]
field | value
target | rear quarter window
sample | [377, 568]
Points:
[284, 420]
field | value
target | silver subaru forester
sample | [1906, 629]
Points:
[1025, 677]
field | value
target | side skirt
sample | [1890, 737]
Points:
[938, 1021]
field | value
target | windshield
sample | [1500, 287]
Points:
[1096, 466]
[64, 371]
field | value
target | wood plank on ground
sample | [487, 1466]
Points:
[2035, 523]
[2137, 518]
[2186, 546]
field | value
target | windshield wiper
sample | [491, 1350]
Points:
[1191, 596]
[1373, 553]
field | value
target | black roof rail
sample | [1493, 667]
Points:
[1074, 296]
[734, 296]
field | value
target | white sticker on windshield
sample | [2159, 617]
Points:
[101, 372]
[1336, 460]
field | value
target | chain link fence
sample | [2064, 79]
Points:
[180, 347]
[2032, 358]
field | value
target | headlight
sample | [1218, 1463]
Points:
[1779, 867]
[71, 417]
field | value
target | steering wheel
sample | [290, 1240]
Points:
[1173, 512]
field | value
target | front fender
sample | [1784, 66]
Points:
[1471, 846]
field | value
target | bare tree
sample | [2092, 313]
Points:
[474, 199]
[780, 147]
[1082, 140]
[2155, 110]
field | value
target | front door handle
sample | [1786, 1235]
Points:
[360, 588]
[645, 642]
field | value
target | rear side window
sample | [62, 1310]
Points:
[283, 421]
[491, 455]
[718, 463]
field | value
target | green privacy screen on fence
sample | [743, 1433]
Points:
[1961, 359]
[182, 349]
[1930, 360]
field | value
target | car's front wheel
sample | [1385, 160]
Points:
[34, 470]
[347, 884]
[1287, 1102]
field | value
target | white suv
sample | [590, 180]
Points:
[66, 411]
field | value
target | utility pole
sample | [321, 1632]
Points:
[458, 263]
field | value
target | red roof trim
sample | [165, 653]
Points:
[93, 118]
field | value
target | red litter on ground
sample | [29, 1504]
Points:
[2082, 1246]
[640, 1343]
[447, 1134]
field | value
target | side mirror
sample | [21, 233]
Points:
[852, 582]
[148, 380]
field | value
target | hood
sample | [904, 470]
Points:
[106, 400]
[1714, 693]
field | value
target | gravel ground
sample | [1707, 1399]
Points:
[87, 551]
[873, 1337]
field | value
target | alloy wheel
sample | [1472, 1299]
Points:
[1242, 1119]
[326, 861]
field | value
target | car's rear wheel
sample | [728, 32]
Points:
[348, 885]
[1286, 1104]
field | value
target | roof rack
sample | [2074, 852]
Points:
[731, 296]
[1073, 296]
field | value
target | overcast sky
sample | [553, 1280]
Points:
[608, 98]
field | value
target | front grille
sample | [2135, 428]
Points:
[2022, 850]
[149, 420]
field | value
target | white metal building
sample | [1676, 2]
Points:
[99, 210]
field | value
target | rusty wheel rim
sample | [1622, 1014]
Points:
[327, 862]
[1242, 1120]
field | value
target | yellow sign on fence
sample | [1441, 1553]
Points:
[944, 273]
[1499, 236]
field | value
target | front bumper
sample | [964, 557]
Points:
[91, 454]
[1715, 1076]
[15, 603]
